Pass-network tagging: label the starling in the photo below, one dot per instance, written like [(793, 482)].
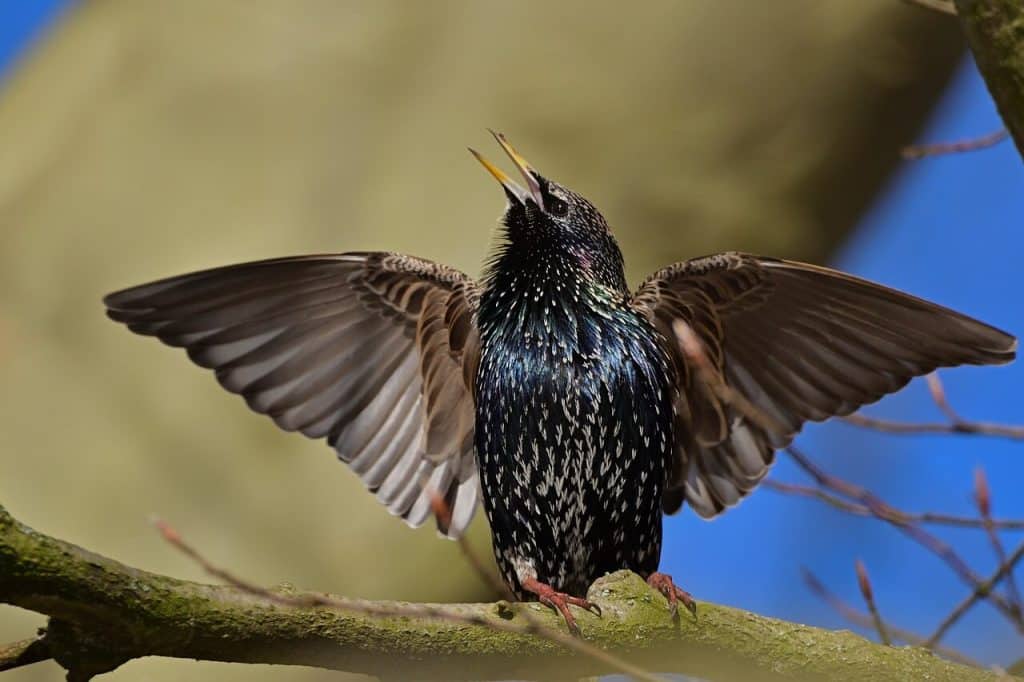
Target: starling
[(547, 390)]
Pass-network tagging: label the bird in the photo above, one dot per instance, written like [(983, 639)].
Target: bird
[(547, 391)]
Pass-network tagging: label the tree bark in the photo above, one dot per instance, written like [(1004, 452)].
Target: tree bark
[(103, 613), (995, 33)]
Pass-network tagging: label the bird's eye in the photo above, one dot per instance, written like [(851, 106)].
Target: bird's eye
[(556, 207)]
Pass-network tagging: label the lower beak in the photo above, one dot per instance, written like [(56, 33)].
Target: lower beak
[(512, 188)]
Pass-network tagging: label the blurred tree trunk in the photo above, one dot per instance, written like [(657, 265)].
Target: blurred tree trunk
[(995, 31)]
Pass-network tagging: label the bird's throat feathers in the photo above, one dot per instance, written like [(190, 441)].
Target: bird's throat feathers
[(549, 294)]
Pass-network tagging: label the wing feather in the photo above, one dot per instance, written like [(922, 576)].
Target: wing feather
[(802, 343), (377, 352)]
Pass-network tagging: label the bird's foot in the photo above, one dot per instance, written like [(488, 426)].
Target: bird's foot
[(560, 601), (663, 583)]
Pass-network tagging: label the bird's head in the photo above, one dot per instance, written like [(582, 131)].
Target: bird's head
[(544, 218)]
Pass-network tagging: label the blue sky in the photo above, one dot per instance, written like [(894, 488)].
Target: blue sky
[(21, 23), (949, 229)]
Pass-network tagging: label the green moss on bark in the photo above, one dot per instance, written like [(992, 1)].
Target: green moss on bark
[(104, 613), (995, 33)]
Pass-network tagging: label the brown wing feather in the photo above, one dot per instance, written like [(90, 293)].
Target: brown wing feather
[(801, 342), (374, 351)]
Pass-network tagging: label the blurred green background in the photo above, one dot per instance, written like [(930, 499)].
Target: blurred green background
[(142, 139)]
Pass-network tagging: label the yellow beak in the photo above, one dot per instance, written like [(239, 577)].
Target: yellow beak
[(532, 190)]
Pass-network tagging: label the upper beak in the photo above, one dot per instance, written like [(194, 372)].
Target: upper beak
[(532, 190), (512, 187)]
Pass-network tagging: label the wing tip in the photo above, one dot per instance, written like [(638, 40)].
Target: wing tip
[(1000, 349), (1011, 350)]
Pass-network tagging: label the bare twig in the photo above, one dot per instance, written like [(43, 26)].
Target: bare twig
[(869, 598), (956, 424), (920, 151), (444, 513), (25, 652), (983, 500), (896, 515), (943, 6), (983, 590), (930, 542), (428, 611), (914, 428), (938, 393), (693, 349), (864, 620)]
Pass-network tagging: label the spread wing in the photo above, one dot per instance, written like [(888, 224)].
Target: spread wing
[(800, 342), (377, 352)]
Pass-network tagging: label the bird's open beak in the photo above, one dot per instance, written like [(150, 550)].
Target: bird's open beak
[(532, 190), (512, 188)]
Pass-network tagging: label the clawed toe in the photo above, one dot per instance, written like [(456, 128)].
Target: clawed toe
[(560, 601), (584, 604), (663, 583)]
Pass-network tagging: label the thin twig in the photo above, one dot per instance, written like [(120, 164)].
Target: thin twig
[(428, 611), (869, 598), (983, 500), (938, 394), (914, 152), (693, 349), (444, 514), (955, 424), (930, 542), (983, 590), (897, 515), (943, 6), (25, 652), (915, 428), (863, 620)]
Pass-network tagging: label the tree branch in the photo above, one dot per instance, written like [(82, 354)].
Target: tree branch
[(25, 652), (103, 613), (995, 33)]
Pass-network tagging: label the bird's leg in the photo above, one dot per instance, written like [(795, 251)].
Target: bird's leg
[(559, 601), (663, 583)]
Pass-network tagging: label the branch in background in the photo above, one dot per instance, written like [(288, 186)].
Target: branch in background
[(444, 516), (983, 500), (914, 152), (693, 349), (894, 515), (995, 34), (914, 428), (943, 6), (927, 540), (980, 592), (869, 598), (25, 652), (863, 620), (955, 424)]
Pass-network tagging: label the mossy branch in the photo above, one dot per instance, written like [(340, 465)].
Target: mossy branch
[(103, 613), (995, 32)]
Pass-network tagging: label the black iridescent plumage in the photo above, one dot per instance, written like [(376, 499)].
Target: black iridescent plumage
[(574, 403), (550, 391)]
